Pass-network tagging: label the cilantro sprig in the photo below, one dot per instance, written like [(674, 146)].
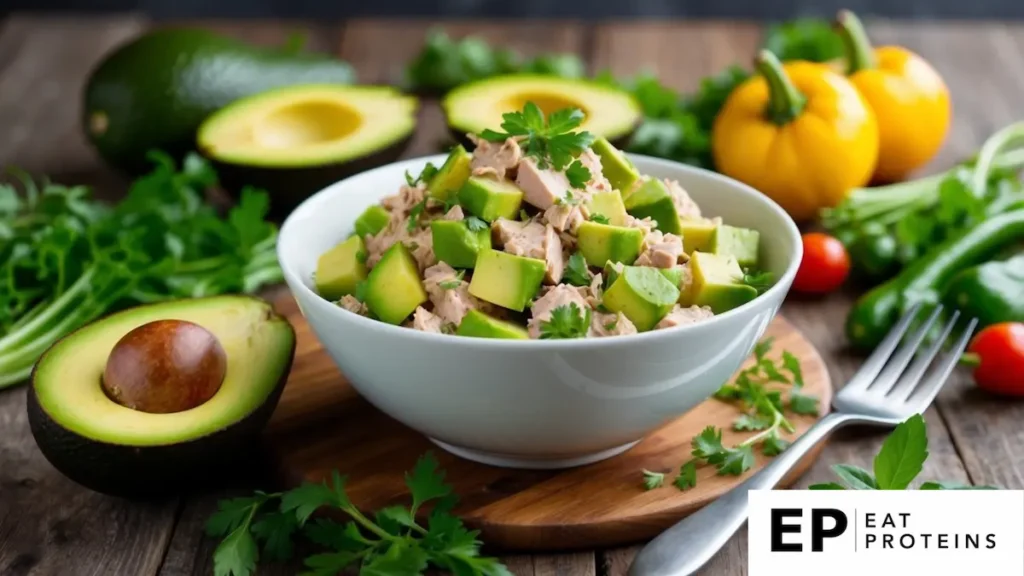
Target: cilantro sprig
[(567, 321), (552, 142), (454, 282), (576, 271), (896, 465), (393, 541)]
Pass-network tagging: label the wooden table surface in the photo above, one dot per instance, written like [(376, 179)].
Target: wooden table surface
[(50, 526)]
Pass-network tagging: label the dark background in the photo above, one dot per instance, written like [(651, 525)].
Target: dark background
[(746, 9)]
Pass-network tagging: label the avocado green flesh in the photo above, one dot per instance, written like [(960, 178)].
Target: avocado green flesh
[(153, 92), (505, 279), (602, 243), (456, 245), (620, 172), (652, 199), (490, 199), (643, 294), (740, 243), (452, 175), (479, 325), (393, 289), (696, 235), (259, 347), (341, 268), (717, 283), (609, 204), (372, 221)]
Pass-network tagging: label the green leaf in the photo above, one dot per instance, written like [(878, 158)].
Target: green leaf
[(737, 461), (231, 513), (329, 564), (426, 481), (576, 271), (902, 455), (708, 443), (305, 500), (237, 554), (275, 531), (855, 477), (578, 175), (398, 514), (402, 558), (687, 477), (747, 422), (567, 321), (773, 445), (762, 348), (476, 224), (760, 281), (826, 486), (599, 218), (454, 282), (941, 485), (803, 404), (565, 120), (331, 534), (809, 39), (653, 480), (771, 372), (792, 363)]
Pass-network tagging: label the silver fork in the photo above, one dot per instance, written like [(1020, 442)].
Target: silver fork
[(889, 388)]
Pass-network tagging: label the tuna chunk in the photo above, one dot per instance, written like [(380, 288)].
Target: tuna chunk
[(402, 203), (663, 251), (451, 302), (498, 160), (685, 205), (567, 217), (420, 243), (560, 295), (349, 302), (503, 230), (425, 321), (680, 316), (592, 294), (592, 161), (614, 324), (533, 240), (646, 225), (553, 256), (455, 213), (541, 188)]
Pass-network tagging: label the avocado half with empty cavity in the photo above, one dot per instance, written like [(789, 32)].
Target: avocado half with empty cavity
[(162, 398), (294, 141), (609, 111)]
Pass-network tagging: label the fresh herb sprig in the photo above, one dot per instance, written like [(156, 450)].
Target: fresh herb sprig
[(66, 259), (392, 541), (425, 176), (552, 142), (567, 321), (454, 282), (576, 271), (896, 465)]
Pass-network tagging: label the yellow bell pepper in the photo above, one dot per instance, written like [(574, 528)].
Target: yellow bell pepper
[(800, 133), (909, 98)]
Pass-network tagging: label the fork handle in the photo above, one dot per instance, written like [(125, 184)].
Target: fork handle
[(689, 544)]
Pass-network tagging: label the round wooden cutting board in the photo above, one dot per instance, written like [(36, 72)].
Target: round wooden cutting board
[(322, 424)]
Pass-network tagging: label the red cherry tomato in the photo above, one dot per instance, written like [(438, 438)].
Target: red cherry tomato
[(825, 265), (999, 353)]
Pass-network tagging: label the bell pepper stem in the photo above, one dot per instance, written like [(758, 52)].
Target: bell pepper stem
[(859, 53), (785, 102)]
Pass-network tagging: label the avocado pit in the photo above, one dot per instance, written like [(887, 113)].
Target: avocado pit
[(165, 366)]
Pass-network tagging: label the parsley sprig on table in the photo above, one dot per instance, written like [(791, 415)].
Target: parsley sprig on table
[(551, 142), (567, 321), (392, 541), (897, 464), (758, 390)]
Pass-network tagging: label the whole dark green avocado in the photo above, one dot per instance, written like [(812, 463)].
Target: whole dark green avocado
[(154, 91)]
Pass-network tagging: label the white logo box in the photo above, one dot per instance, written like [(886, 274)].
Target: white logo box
[(928, 532)]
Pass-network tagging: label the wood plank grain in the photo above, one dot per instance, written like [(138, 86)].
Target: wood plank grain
[(49, 525), (984, 68)]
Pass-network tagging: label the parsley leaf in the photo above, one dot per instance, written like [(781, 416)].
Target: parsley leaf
[(748, 422), (687, 477), (552, 143), (760, 281), (773, 445), (578, 174), (736, 461), (454, 282), (476, 224), (599, 218), (428, 173), (902, 455), (567, 321), (275, 531), (855, 477), (653, 480), (414, 215), (576, 271), (954, 486), (803, 404)]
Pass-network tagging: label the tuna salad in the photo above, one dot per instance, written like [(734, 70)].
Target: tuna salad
[(541, 232)]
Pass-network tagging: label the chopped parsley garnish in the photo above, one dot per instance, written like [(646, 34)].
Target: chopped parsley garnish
[(653, 480), (552, 143), (454, 282), (760, 281), (414, 215), (475, 224), (566, 322), (576, 271), (569, 199), (611, 325), (599, 218), (428, 173), (578, 174)]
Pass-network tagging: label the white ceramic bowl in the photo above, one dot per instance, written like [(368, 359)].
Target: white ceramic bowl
[(537, 403)]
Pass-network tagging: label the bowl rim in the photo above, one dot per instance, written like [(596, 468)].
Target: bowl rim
[(778, 289)]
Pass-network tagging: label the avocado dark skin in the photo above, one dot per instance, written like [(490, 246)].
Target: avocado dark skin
[(288, 187), (153, 92)]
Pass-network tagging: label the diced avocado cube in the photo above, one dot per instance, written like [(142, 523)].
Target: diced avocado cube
[(696, 235), (674, 275), (339, 269), (652, 199), (611, 272), (393, 288), (643, 294), (372, 221), (608, 204), (601, 243), (718, 282), (740, 243), (620, 172), (477, 324), (505, 279), (490, 199), (452, 175), (455, 244)]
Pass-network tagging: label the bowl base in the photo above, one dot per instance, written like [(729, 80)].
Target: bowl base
[(504, 460)]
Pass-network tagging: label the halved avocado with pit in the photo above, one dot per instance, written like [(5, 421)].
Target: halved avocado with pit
[(111, 411), (294, 141), (609, 112)]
